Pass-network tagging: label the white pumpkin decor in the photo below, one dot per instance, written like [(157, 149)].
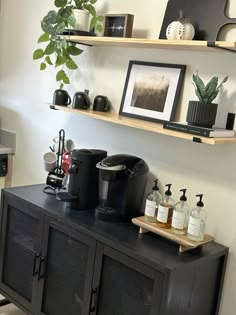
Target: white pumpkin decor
[(180, 30)]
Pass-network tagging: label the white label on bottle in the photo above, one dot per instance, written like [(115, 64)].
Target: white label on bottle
[(194, 226), (178, 220), (162, 215), (150, 208)]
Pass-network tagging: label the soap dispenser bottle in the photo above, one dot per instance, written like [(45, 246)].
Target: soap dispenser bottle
[(197, 222), (165, 210), (152, 203), (180, 215)]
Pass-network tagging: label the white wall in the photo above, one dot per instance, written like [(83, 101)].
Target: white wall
[(25, 92)]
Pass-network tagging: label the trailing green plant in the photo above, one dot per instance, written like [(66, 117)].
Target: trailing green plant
[(60, 51), (207, 93)]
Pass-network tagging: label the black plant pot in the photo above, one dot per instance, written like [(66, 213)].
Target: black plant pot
[(200, 114)]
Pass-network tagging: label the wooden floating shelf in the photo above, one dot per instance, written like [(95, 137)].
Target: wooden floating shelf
[(151, 43), (182, 240), (142, 124)]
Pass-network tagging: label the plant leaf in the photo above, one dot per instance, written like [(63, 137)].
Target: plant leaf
[(61, 86), (66, 12), (199, 84), (93, 22), (50, 48), (210, 88), (212, 82), (199, 96), (43, 66), (60, 75), (51, 17), (60, 61), (38, 53), (60, 3), (44, 38), (99, 28), (223, 81), (90, 9), (212, 97), (74, 51), (60, 28), (66, 80), (48, 60), (46, 27), (100, 18), (64, 43), (72, 20), (71, 64)]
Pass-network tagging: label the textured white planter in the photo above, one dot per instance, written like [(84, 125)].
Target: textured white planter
[(82, 20)]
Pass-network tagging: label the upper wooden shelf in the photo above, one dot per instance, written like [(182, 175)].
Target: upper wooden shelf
[(142, 124), (153, 43)]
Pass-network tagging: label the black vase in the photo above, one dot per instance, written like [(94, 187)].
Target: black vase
[(200, 114)]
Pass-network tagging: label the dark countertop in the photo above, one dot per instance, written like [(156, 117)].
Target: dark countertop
[(150, 249)]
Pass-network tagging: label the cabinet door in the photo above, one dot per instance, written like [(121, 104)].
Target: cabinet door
[(22, 227), (124, 286), (67, 271)]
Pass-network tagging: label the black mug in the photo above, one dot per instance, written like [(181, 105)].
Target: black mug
[(81, 101), (101, 103), (55, 180), (61, 97)]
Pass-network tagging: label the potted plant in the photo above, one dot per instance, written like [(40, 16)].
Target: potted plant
[(59, 51), (81, 10), (203, 112)]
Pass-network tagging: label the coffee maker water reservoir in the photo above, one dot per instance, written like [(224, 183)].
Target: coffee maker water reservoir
[(122, 183)]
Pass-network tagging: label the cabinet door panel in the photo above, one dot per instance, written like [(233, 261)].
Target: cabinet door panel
[(125, 286), (20, 241), (68, 271)]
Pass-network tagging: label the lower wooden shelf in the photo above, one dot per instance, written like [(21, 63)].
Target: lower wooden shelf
[(182, 240), (142, 124)]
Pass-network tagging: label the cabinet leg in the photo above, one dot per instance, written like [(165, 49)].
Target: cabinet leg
[(4, 302)]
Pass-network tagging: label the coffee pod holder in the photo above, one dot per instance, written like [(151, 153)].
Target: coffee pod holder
[(185, 244), (56, 179)]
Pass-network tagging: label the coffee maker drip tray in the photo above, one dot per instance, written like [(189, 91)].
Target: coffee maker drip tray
[(108, 214), (65, 196)]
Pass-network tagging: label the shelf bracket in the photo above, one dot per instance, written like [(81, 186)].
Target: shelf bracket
[(4, 302), (53, 107), (213, 45)]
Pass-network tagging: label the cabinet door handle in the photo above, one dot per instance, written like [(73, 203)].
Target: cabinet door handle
[(35, 269), (94, 300), (41, 272)]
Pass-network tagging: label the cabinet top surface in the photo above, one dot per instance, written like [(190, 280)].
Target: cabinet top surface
[(150, 249)]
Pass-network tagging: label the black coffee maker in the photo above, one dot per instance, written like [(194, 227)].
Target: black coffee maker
[(84, 178), (122, 183)]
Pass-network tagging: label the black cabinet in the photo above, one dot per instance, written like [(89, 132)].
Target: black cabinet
[(21, 239), (56, 261), (125, 286), (66, 270)]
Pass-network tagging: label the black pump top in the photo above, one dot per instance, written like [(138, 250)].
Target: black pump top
[(155, 187), (168, 192), (200, 203), (183, 197)]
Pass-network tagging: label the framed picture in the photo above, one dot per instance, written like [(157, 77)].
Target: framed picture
[(152, 91), (118, 25)]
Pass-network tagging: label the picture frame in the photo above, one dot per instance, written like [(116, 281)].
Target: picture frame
[(151, 91), (118, 25)]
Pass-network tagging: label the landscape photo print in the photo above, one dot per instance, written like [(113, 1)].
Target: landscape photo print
[(152, 90)]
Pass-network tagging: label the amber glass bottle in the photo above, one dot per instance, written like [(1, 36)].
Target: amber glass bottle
[(165, 210)]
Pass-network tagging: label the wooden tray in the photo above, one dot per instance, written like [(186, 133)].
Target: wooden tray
[(182, 240)]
